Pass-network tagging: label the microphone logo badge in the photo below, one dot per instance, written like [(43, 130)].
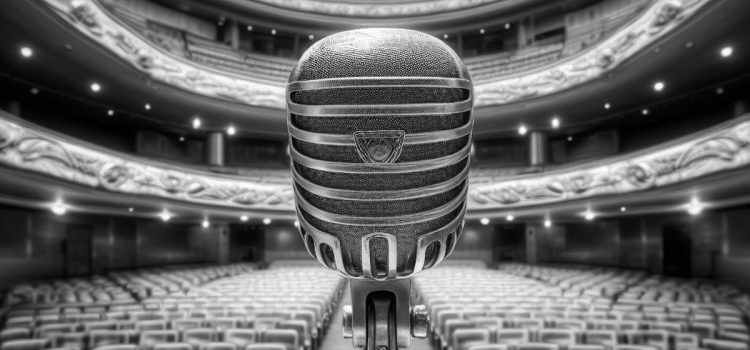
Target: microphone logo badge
[(379, 146)]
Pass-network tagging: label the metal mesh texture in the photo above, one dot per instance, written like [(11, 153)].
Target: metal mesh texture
[(409, 153), (410, 124), (379, 96)]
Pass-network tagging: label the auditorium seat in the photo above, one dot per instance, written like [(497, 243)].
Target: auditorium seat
[(286, 337), (464, 338), (25, 344), (220, 346), (266, 346), (150, 338), (240, 337), (14, 333), (719, 344)]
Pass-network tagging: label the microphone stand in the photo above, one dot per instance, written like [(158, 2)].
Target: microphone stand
[(381, 316)]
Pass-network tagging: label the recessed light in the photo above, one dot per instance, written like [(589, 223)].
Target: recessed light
[(695, 207), (165, 215), (26, 52), (522, 130), (111, 112), (34, 91), (249, 28), (147, 106), (244, 218), (719, 90), (659, 86), (267, 221), (445, 36), (231, 130), (507, 25), (623, 209), (484, 221), (296, 223), (570, 138), (547, 223), (689, 44), (182, 138), (196, 123), (59, 208), (510, 217), (130, 210), (589, 215), (481, 31), (205, 223), (273, 31), (95, 87), (311, 37), (645, 111), (555, 122), (607, 105), (726, 51)]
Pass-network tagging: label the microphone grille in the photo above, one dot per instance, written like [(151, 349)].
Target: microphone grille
[(380, 132)]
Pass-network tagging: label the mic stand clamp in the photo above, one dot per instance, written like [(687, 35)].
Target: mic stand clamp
[(381, 316)]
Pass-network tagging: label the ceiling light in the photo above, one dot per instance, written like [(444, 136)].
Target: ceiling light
[(445, 36), (547, 223), (95, 87), (130, 210), (522, 130), (589, 215), (555, 122), (719, 90), (695, 207), (196, 123), (165, 215), (267, 221), (623, 209), (231, 130), (689, 44), (570, 138), (607, 105), (249, 28), (27, 52), (726, 51), (182, 138), (34, 91), (205, 223), (484, 221), (59, 208), (244, 218), (658, 86), (311, 37), (507, 25), (481, 31), (296, 223), (510, 217), (111, 112), (147, 106), (273, 31), (645, 111)]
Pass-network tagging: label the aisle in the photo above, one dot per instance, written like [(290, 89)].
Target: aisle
[(333, 340)]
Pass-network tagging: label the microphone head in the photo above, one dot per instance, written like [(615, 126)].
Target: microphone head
[(380, 134)]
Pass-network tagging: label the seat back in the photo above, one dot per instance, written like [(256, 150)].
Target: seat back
[(152, 337), (512, 336), (537, 346), (464, 338), (557, 336), (25, 344), (600, 337), (198, 337), (240, 337), (720, 344), (99, 338), (287, 337)]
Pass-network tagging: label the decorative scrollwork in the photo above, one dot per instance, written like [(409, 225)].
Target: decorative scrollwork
[(375, 9)]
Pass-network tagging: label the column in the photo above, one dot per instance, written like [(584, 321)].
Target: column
[(233, 34), (216, 143), (537, 148)]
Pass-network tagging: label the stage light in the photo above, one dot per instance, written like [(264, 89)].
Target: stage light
[(484, 221), (555, 122), (231, 130), (726, 51), (244, 218), (267, 221), (165, 215), (522, 130), (659, 86), (26, 52), (59, 208), (95, 87), (547, 223), (205, 223), (510, 218)]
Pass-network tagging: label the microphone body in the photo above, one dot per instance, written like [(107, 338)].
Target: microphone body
[(380, 135)]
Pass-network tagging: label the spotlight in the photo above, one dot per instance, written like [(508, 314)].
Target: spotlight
[(95, 87), (484, 221), (555, 122), (59, 208), (658, 86), (244, 218), (196, 123), (589, 215), (547, 223), (165, 215), (267, 221), (205, 223), (726, 51), (510, 218), (231, 130), (27, 52), (522, 130)]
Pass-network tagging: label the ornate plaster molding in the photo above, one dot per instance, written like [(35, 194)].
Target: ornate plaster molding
[(88, 17), (723, 148), (42, 152), (661, 18), (375, 9)]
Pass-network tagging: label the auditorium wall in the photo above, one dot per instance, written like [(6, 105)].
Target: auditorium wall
[(33, 244)]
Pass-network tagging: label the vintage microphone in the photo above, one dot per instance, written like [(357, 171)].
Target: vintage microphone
[(380, 134)]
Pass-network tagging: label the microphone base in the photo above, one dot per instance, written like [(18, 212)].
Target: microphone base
[(381, 316)]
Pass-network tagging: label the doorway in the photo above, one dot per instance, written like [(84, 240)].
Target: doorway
[(78, 249), (676, 250)]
